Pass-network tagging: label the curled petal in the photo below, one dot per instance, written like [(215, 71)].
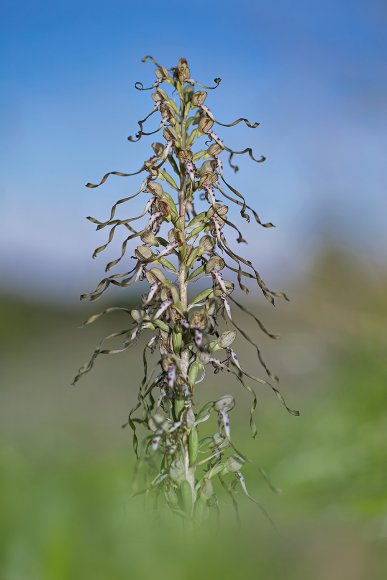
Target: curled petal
[(114, 173), (149, 57), (217, 82), (247, 150), (240, 120), (113, 209)]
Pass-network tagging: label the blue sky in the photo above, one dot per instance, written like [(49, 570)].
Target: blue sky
[(313, 73)]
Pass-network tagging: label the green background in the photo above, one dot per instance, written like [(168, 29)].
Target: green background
[(67, 466)]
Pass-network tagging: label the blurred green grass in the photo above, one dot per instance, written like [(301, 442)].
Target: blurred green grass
[(66, 464)]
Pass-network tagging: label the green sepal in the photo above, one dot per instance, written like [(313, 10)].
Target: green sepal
[(167, 264), (192, 257), (174, 107), (196, 272), (196, 231), (214, 346), (161, 241), (177, 305), (199, 155), (193, 445), (215, 470), (178, 406), (186, 109), (177, 340), (192, 138), (194, 370), (204, 411), (196, 219), (162, 325), (183, 251), (205, 442), (157, 274), (189, 122), (202, 296), (174, 295), (169, 179), (174, 165)]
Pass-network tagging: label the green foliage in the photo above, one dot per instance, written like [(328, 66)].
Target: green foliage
[(64, 502), (182, 241)]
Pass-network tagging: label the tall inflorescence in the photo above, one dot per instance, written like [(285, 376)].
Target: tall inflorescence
[(179, 244)]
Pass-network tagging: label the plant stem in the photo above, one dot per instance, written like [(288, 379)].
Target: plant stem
[(182, 276)]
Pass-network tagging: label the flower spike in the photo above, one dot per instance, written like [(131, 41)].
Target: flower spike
[(182, 236)]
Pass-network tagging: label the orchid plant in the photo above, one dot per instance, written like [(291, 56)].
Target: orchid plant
[(182, 240)]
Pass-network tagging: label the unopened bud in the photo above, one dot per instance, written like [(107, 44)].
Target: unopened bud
[(198, 98), (225, 403), (205, 124)]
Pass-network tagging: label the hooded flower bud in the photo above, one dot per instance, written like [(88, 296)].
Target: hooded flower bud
[(205, 124), (215, 149), (199, 319), (163, 307), (234, 463), (229, 286), (170, 134), (152, 291), (208, 166), (183, 72), (175, 237), (143, 253), (225, 403), (208, 179), (157, 98), (157, 422), (218, 439), (206, 245), (184, 155), (198, 98), (214, 263), (198, 338), (137, 315), (149, 238), (155, 275), (227, 338), (217, 211), (162, 94), (155, 188), (154, 173), (161, 73), (167, 111), (158, 148)]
